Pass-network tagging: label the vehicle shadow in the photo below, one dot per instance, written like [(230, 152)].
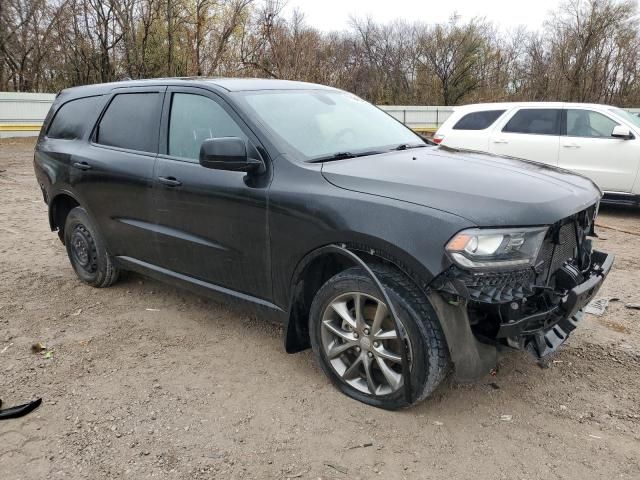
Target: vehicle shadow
[(620, 211)]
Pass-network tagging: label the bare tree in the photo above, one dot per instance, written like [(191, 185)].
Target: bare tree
[(588, 50)]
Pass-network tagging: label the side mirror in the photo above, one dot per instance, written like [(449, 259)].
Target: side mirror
[(227, 153), (620, 131)]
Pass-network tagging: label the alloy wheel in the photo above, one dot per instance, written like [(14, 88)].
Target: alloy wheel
[(360, 342)]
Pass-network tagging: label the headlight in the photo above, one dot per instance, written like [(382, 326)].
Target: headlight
[(496, 248)]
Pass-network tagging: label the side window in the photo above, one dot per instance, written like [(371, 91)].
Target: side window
[(195, 118), (587, 123), (73, 118), (131, 121), (537, 121), (478, 120)]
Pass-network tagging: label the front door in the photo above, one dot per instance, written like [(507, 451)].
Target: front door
[(588, 148), (211, 224)]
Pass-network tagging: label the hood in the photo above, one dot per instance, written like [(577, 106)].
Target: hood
[(488, 190)]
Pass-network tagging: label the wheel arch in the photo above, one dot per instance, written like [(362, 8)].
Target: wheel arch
[(321, 264), (59, 207)]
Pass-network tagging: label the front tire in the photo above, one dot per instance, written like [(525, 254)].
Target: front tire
[(87, 253), (354, 339)]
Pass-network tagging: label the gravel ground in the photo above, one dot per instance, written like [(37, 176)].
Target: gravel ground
[(146, 381)]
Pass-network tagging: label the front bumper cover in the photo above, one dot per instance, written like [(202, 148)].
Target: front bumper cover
[(550, 328), (541, 333)]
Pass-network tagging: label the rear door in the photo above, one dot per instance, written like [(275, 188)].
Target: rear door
[(530, 133), (212, 224), (113, 172), (588, 148)]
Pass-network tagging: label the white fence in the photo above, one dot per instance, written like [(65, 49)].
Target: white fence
[(421, 119), (22, 114)]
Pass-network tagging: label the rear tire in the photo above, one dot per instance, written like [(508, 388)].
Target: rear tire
[(340, 340), (86, 250)]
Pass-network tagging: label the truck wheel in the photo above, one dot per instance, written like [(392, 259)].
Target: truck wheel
[(86, 250), (355, 342)]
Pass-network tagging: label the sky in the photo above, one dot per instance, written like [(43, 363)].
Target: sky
[(328, 15)]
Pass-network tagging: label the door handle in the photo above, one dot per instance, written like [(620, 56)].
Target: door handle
[(82, 165), (501, 141), (170, 181), (571, 145)]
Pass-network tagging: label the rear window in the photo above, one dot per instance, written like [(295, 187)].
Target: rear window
[(72, 119), (537, 121), (478, 120), (131, 121)]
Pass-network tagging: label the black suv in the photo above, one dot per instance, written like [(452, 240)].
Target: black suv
[(395, 260)]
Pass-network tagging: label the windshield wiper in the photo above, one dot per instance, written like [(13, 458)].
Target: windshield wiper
[(406, 146), (343, 156)]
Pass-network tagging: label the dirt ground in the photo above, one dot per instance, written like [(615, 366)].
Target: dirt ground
[(146, 381)]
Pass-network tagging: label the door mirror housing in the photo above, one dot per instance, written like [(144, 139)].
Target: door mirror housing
[(228, 153), (620, 131)]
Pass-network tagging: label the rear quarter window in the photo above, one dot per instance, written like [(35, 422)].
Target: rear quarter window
[(478, 120), (74, 118)]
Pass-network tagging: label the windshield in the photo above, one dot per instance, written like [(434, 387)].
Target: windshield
[(325, 123), (632, 118)]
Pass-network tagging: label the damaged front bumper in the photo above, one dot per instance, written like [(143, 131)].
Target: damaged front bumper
[(481, 312), (546, 330)]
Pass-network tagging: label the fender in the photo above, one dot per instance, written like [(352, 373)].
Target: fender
[(295, 336), (402, 260), (471, 358), (52, 200), (64, 191)]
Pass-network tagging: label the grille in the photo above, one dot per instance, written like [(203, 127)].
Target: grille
[(487, 287), (499, 287), (553, 258)]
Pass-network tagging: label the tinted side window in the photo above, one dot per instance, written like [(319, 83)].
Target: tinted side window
[(478, 120), (540, 121), (73, 118), (587, 123), (131, 121), (195, 118)]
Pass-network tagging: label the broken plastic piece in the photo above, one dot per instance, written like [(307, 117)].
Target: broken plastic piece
[(20, 410), (597, 306)]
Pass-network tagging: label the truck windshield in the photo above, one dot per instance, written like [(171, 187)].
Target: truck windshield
[(322, 124)]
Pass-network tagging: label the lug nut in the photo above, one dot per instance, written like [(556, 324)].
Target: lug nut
[(358, 349), (355, 335), (376, 344), (366, 331), (370, 355)]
